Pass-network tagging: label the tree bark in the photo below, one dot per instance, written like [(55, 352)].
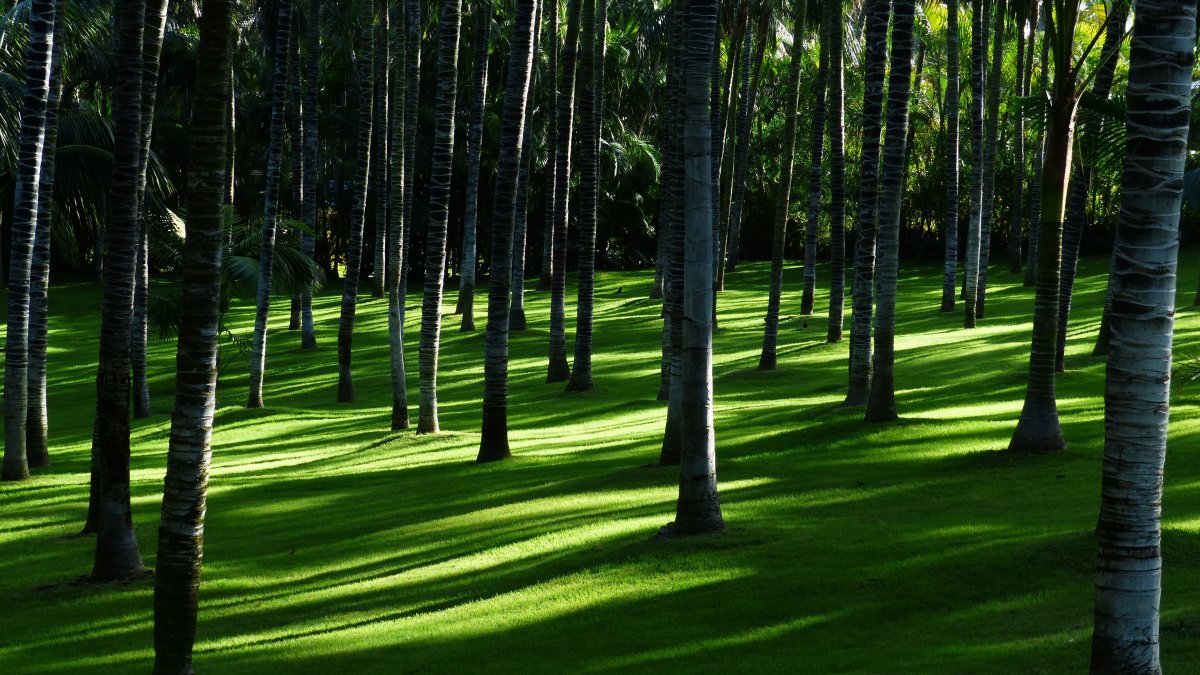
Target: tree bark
[(466, 288)]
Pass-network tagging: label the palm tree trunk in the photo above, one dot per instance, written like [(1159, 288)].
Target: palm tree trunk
[(950, 226), (881, 405), (1081, 176), (551, 46), (38, 66), (358, 206), (817, 147), (1138, 385), (878, 12), (295, 132), (397, 225), (312, 60), (181, 532), (992, 129), (671, 215), (768, 360), (493, 443), (732, 242), (439, 212), (412, 82), (258, 349), (1016, 210), (837, 174), (379, 151), (516, 312), (116, 544), (698, 509), (156, 24), (37, 416), (557, 369), (591, 93), (1035, 192), (466, 289), (975, 217)]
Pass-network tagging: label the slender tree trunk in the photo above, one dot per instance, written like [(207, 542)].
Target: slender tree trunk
[(23, 229), (466, 289), (1081, 177), (1138, 385), (817, 147), (493, 444), (358, 206), (156, 24), (116, 544), (837, 174), (295, 132), (768, 359), (439, 212), (698, 510), (557, 369), (974, 224), (878, 12), (37, 417), (591, 93), (881, 405), (258, 350), (231, 136), (398, 198), (672, 215), (181, 532), (733, 237), (1035, 196), (379, 151), (992, 129), (1017, 217), (950, 225), (312, 60), (413, 24), (516, 312), (551, 46)]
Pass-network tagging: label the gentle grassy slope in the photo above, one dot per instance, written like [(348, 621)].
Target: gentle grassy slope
[(334, 545)]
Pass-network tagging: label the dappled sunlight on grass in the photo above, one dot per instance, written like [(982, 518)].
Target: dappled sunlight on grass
[(336, 545)]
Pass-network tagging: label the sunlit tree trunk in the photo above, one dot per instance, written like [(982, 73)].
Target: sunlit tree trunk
[(493, 443), (973, 256), (258, 349), (189, 452), (380, 159), (439, 211), (837, 173), (992, 129), (398, 198), (116, 544), (550, 9), (358, 206), (156, 24), (881, 404), (950, 225), (767, 359), (1081, 176), (878, 12), (1138, 385), (672, 216), (816, 149), (23, 229), (466, 289), (558, 370)]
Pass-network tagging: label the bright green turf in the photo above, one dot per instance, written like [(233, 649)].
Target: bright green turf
[(334, 545)]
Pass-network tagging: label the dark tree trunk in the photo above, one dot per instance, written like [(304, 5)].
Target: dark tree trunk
[(466, 289), (816, 149)]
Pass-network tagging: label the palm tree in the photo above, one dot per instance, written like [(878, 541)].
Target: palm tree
[(396, 230), (439, 212), (881, 405), (878, 13), (516, 312), (950, 226), (767, 360), (466, 287), (837, 172), (380, 159), (493, 444), (116, 544), (1038, 429), (551, 45), (698, 510), (591, 95), (557, 369), (971, 265), (412, 83), (38, 65), (1017, 212), (1081, 176), (1138, 383), (1035, 188), (671, 234), (992, 130), (37, 415), (181, 532), (741, 161), (358, 207), (295, 133), (312, 60), (817, 146), (258, 350)]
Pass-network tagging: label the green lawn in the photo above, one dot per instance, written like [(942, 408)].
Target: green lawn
[(335, 546)]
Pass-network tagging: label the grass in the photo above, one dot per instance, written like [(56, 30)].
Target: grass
[(334, 545)]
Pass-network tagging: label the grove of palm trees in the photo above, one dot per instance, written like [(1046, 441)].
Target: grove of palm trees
[(813, 336)]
